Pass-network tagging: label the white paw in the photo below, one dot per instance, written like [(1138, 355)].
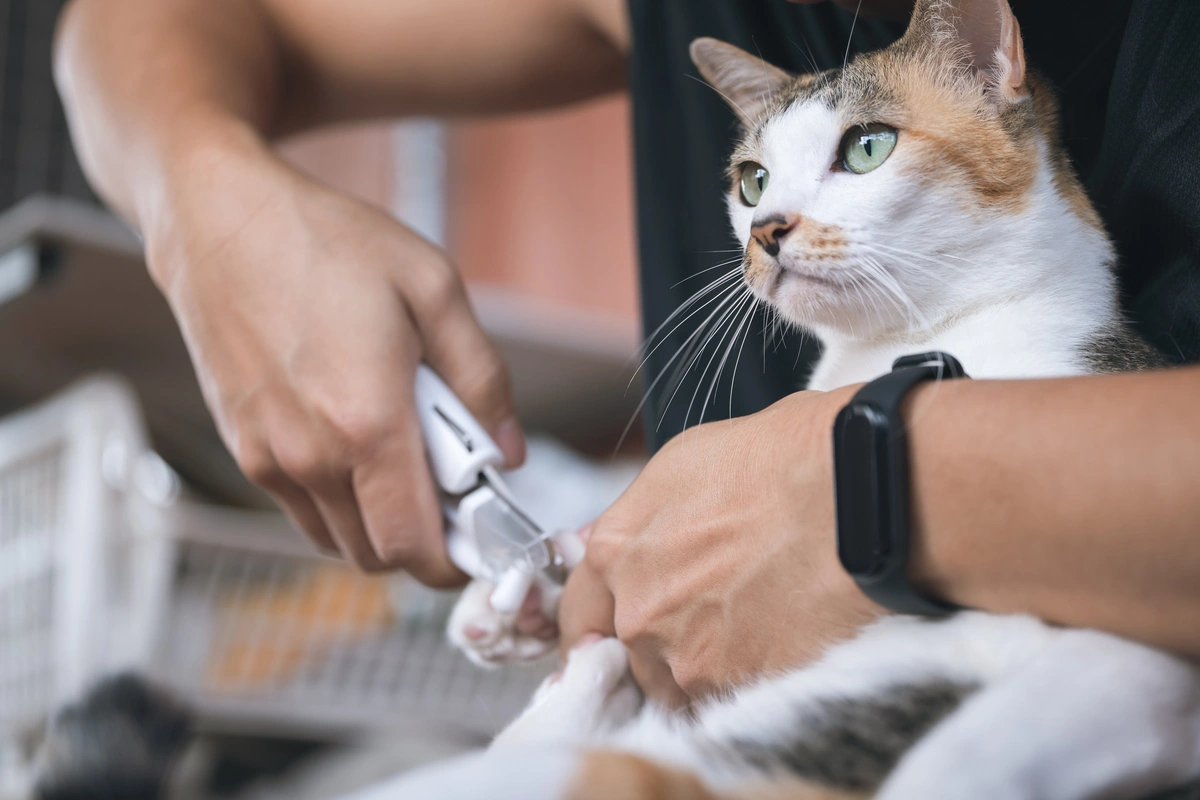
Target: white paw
[(593, 695), (490, 638), (600, 670)]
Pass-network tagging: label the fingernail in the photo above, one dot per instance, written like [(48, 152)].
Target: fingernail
[(511, 441), (587, 639)]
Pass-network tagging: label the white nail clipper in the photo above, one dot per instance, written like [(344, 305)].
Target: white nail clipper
[(488, 534)]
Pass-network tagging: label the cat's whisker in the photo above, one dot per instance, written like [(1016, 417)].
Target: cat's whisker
[(726, 97), (730, 294), (885, 248), (748, 298), (698, 353), (710, 287), (850, 38), (735, 260), (715, 288), (807, 53), (742, 327), (888, 283), (737, 361)]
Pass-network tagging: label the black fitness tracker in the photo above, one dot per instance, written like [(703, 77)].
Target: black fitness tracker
[(870, 473)]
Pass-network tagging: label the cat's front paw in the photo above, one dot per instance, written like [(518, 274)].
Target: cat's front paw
[(593, 695), (490, 638)]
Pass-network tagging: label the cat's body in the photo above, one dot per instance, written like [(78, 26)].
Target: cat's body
[(916, 200)]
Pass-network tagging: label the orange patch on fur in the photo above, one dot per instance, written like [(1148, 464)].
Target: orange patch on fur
[(609, 775), (997, 158)]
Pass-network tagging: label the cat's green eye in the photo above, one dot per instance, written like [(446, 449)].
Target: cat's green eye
[(754, 182), (866, 147)]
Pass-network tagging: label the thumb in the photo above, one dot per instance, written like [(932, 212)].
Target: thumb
[(586, 607)]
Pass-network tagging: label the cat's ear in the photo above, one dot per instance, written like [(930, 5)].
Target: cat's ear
[(984, 35), (747, 83)]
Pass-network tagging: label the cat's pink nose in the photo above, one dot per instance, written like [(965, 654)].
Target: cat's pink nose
[(769, 232)]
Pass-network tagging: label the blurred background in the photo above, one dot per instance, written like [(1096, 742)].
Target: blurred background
[(128, 540)]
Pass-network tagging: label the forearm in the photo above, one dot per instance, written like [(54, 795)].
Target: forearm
[(1074, 500), (142, 80), (145, 81)]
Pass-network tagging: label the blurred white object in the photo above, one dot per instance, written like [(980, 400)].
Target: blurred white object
[(107, 564)]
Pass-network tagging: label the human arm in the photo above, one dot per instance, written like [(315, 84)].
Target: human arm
[(1075, 500), (305, 311)]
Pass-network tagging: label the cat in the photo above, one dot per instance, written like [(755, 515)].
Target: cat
[(916, 199)]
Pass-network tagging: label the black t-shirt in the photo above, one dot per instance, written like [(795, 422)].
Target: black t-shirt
[(1130, 92)]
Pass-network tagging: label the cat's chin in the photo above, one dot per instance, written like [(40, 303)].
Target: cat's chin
[(801, 297)]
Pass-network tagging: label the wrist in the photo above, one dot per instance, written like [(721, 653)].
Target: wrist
[(804, 421), (202, 157)]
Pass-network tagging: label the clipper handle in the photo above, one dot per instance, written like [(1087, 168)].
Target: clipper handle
[(459, 448)]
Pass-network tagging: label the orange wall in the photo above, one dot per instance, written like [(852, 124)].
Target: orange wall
[(543, 204), (355, 159)]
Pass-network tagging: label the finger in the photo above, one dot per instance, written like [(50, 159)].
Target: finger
[(400, 508), (303, 457), (457, 348), (586, 607), (260, 465), (303, 513), (339, 508), (653, 675)]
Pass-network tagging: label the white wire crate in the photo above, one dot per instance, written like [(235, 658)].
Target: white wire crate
[(105, 566)]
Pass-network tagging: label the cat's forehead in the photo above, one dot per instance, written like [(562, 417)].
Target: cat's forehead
[(867, 90)]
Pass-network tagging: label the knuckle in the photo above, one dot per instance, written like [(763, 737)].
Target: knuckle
[(304, 462), (631, 624), (603, 546), (357, 427), (439, 290), (256, 463)]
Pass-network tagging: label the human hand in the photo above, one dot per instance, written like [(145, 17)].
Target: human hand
[(306, 314), (720, 562)]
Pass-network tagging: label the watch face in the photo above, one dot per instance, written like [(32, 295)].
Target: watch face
[(860, 479)]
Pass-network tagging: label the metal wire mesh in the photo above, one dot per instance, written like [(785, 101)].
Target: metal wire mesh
[(274, 640), (29, 503)]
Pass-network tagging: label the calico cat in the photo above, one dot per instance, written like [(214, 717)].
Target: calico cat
[(916, 199)]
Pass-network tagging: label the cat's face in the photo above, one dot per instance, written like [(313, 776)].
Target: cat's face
[(863, 194)]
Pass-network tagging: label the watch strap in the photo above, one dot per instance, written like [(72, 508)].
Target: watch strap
[(884, 397)]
